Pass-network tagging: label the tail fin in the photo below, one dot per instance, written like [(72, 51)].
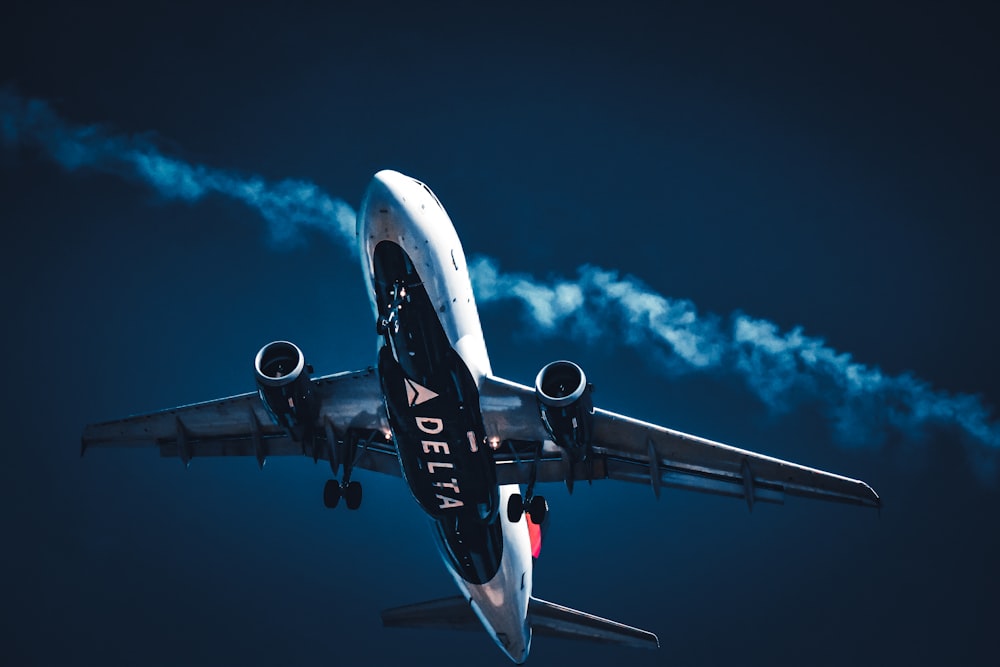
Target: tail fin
[(546, 619)]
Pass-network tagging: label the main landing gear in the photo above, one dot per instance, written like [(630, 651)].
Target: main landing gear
[(333, 490), (350, 491), (534, 506)]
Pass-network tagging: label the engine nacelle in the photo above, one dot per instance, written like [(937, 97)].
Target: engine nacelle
[(566, 406), (286, 389)]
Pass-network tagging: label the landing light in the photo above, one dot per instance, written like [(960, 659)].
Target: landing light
[(494, 443), (388, 435)]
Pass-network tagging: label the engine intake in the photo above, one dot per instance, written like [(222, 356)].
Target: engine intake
[(286, 389), (566, 406)]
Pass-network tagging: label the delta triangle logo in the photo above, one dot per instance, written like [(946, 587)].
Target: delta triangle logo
[(417, 393)]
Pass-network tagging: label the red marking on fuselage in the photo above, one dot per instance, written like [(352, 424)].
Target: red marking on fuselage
[(535, 534)]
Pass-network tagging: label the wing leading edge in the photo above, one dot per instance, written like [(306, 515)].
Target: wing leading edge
[(351, 413), (631, 450)]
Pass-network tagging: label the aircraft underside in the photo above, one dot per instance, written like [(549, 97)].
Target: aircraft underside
[(432, 403), (464, 440)]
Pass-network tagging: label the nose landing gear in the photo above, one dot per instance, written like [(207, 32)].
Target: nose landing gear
[(390, 321)]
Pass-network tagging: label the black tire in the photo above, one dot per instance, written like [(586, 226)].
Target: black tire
[(515, 508), (331, 494), (352, 495), (538, 509)]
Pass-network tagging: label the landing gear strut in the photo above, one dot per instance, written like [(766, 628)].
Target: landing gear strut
[(350, 491), (391, 318), (534, 506)]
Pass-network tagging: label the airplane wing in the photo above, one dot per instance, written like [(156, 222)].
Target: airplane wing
[(352, 412), (630, 450)]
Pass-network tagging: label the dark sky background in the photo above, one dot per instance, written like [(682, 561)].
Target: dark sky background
[(825, 165)]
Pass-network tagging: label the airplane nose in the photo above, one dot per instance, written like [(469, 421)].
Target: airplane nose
[(388, 176), (378, 198), (380, 190), (387, 184), (382, 196)]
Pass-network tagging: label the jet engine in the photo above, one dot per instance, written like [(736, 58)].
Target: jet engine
[(566, 406), (286, 389)]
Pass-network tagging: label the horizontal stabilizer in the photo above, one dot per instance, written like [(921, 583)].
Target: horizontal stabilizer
[(453, 613), (546, 619), (553, 620)]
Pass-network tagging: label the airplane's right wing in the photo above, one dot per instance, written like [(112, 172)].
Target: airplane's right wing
[(631, 450), (636, 451)]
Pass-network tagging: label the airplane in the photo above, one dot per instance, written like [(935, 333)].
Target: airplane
[(464, 440)]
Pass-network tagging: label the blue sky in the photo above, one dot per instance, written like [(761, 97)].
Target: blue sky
[(829, 167)]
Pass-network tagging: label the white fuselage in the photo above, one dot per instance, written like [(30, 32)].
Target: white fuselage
[(400, 209)]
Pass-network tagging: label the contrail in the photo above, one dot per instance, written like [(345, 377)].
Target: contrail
[(288, 206), (783, 369)]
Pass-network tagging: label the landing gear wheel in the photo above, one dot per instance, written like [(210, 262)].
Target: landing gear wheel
[(538, 509), (352, 495), (331, 494), (515, 508)]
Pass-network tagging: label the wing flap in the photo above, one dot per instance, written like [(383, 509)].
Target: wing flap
[(278, 446), (628, 470), (222, 419)]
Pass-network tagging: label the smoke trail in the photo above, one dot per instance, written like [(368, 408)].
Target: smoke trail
[(784, 369), (288, 206)]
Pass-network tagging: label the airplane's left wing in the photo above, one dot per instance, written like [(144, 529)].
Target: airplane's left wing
[(351, 422), (630, 450)]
